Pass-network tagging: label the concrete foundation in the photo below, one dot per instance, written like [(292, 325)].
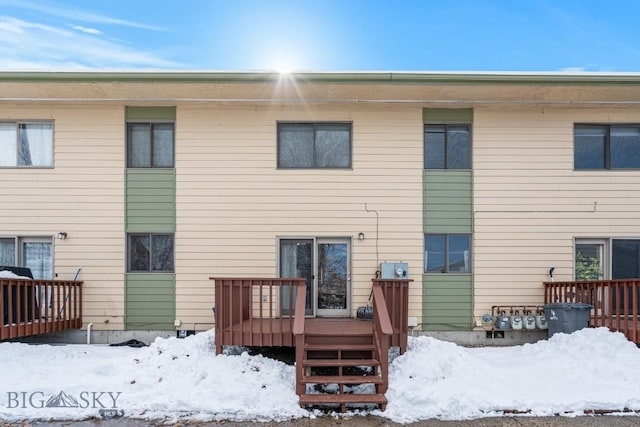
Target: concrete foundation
[(485, 338), (475, 338)]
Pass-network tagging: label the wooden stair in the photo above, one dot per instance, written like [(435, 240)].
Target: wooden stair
[(340, 358)]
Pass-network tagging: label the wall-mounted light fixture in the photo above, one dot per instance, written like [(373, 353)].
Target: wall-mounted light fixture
[(61, 235), (361, 236)]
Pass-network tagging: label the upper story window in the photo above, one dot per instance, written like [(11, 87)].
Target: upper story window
[(314, 145), (150, 145), (27, 144), (447, 146), (607, 147), (151, 252)]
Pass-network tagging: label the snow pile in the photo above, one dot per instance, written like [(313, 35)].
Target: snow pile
[(6, 274), (568, 374), (170, 379), (177, 379)]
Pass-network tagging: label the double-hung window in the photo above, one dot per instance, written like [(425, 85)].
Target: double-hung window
[(314, 145), (28, 144), (150, 145), (598, 147), (447, 253), (447, 146), (151, 252)]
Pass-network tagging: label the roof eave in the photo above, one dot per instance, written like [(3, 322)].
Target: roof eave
[(418, 78)]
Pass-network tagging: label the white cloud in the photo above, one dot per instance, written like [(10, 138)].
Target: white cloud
[(62, 11), (87, 30), (32, 45)]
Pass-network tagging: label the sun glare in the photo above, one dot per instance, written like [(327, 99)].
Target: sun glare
[(284, 66), (283, 63), (284, 69)]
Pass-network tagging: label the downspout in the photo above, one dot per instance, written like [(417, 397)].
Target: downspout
[(89, 326)]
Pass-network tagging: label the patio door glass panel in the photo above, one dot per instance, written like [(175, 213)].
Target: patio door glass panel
[(625, 264), (590, 264), (589, 261), (333, 277), (296, 260), (38, 256)]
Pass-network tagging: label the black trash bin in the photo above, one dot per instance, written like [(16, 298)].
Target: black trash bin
[(18, 298), (567, 317)]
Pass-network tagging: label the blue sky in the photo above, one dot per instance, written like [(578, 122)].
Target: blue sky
[(332, 35)]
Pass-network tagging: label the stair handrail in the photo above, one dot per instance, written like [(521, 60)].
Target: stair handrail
[(298, 333), (382, 332), (380, 312), (299, 313)]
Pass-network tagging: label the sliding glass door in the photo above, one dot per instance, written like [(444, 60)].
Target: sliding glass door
[(325, 266)]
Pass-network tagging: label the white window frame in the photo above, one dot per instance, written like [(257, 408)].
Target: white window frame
[(606, 254), (18, 247), (17, 129)]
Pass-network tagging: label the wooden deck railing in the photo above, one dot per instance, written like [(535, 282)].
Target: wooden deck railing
[(396, 297), (31, 307), (256, 311), (615, 302), (271, 311)]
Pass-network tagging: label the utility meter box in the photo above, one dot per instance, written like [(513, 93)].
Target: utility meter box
[(394, 270)]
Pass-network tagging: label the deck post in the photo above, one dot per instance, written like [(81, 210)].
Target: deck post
[(396, 298)]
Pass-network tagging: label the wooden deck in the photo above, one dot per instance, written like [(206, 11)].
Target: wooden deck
[(32, 307), (615, 303), (331, 326), (271, 312)]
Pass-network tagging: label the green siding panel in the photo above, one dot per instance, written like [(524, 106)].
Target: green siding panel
[(150, 113), (447, 115), (447, 303), (448, 201), (151, 200), (150, 301)]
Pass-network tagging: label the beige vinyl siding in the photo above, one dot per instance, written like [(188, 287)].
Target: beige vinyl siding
[(83, 195), (233, 204), (530, 204)]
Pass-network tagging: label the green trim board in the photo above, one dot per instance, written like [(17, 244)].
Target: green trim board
[(150, 301), (150, 113), (447, 115), (447, 302), (448, 201), (151, 200)]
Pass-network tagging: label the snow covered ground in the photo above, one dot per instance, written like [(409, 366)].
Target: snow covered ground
[(182, 379)]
